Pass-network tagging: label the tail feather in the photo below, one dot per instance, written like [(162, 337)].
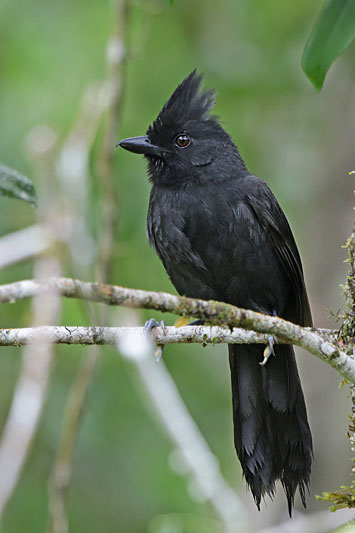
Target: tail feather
[(271, 432)]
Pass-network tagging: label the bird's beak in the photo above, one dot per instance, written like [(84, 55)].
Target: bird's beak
[(141, 145)]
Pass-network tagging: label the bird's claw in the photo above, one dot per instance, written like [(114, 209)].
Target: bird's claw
[(152, 323), (268, 350), (148, 326)]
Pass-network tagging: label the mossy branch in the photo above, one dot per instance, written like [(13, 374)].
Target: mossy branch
[(317, 341)]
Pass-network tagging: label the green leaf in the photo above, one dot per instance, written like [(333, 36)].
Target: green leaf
[(14, 185), (171, 2), (331, 35)]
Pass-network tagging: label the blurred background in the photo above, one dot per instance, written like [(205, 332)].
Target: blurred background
[(59, 63)]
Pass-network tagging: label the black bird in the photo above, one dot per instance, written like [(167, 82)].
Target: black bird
[(222, 235)]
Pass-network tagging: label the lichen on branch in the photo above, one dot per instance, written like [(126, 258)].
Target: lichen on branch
[(318, 342)]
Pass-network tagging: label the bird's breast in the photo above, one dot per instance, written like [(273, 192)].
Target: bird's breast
[(212, 237)]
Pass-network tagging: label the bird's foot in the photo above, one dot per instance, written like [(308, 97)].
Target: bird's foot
[(148, 326), (268, 350), (152, 323)]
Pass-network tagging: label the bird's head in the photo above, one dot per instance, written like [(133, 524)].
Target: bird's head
[(185, 140)]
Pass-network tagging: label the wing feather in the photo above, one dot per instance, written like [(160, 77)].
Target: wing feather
[(272, 219)]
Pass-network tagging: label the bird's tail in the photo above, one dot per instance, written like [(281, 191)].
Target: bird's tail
[(271, 432)]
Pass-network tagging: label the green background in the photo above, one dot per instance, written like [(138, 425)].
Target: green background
[(300, 141)]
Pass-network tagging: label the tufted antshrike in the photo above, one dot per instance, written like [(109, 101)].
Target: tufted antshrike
[(222, 235)]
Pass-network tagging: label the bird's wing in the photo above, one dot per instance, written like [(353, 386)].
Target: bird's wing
[(272, 219)]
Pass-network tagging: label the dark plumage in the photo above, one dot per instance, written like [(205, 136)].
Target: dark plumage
[(222, 235)]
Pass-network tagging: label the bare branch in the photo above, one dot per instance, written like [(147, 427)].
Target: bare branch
[(315, 341), (111, 335)]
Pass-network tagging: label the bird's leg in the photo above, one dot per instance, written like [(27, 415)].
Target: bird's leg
[(268, 350), (148, 326), (269, 346)]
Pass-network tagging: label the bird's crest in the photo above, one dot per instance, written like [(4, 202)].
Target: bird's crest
[(188, 102)]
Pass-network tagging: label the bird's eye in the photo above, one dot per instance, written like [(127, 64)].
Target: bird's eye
[(182, 140)]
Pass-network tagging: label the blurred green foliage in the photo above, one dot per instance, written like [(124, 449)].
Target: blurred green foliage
[(333, 31), (14, 185), (297, 140)]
